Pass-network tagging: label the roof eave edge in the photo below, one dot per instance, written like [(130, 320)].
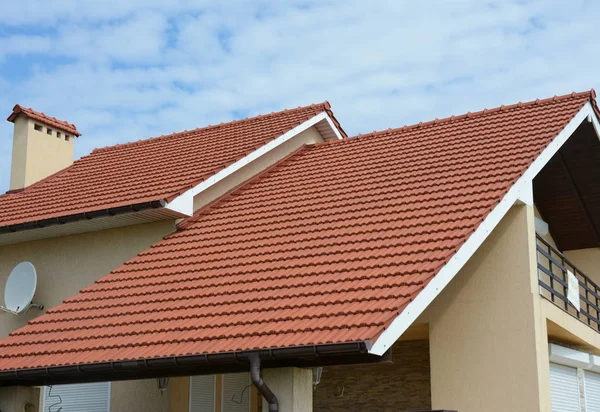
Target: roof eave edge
[(98, 371), (184, 203), (520, 192)]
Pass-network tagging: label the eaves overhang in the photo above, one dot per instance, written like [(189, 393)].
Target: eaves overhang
[(201, 364), (88, 221)]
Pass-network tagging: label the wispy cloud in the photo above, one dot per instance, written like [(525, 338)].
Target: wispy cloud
[(128, 69)]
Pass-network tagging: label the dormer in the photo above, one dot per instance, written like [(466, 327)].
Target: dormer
[(42, 145)]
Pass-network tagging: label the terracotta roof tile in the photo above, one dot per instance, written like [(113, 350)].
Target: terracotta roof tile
[(39, 116), (147, 170), (328, 246)]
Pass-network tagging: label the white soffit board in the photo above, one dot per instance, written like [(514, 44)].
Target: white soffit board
[(521, 192), (184, 203)]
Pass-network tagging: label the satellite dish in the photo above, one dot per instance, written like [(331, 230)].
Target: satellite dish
[(20, 288)]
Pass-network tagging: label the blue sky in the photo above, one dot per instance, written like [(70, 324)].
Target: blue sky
[(123, 70)]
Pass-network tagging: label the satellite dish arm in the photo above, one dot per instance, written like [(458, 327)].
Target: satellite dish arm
[(31, 305)]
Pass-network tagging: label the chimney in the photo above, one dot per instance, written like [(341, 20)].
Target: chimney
[(42, 145)]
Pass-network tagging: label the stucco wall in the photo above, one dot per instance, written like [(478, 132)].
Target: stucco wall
[(487, 332), (19, 399), (141, 395), (401, 385)]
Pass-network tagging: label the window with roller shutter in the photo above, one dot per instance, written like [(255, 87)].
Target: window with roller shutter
[(232, 394), (564, 388), (89, 397)]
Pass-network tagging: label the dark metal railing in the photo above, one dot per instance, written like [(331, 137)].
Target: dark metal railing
[(553, 270)]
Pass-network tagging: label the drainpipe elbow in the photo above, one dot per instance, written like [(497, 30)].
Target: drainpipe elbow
[(260, 384)]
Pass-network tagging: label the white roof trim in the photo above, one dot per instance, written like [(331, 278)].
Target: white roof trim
[(333, 126), (184, 203), (521, 191)]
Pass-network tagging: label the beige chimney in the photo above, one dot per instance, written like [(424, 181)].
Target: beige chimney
[(42, 145)]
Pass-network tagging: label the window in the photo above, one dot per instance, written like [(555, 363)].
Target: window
[(49, 131), (38, 127), (202, 393), (564, 388), (592, 390), (236, 392), (58, 134), (67, 137), (89, 397), (230, 391)]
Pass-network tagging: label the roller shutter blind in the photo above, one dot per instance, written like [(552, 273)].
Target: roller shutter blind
[(236, 392), (202, 393), (592, 391), (564, 387), (89, 397)]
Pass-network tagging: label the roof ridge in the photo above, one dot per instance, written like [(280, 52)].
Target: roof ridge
[(469, 115), (324, 105)]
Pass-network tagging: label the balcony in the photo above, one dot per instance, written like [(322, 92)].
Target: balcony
[(554, 271)]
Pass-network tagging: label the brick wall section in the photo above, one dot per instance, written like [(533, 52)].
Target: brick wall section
[(400, 386)]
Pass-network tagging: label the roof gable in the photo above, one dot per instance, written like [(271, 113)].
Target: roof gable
[(335, 244), (567, 191)]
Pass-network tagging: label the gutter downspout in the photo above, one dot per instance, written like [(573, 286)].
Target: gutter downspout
[(260, 384)]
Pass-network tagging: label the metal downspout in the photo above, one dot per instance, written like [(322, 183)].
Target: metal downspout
[(260, 384)]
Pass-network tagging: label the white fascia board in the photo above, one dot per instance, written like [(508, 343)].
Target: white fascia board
[(522, 192), (570, 357), (184, 203)]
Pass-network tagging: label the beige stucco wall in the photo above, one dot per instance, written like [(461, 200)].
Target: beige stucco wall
[(488, 338), (309, 136), (37, 154), (19, 399), (141, 395)]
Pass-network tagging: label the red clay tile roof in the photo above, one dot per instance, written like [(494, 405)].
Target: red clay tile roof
[(41, 117), (328, 246), (148, 170)]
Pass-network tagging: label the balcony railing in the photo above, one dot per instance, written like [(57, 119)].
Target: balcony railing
[(553, 269)]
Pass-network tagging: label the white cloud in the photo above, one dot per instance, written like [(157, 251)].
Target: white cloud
[(139, 68)]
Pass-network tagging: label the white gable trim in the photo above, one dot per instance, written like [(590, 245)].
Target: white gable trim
[(184, 203), (521, 191)]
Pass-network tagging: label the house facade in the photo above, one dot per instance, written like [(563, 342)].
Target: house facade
[(274, 263)]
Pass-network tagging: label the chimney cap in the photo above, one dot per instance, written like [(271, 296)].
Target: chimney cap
[(43, 118)]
